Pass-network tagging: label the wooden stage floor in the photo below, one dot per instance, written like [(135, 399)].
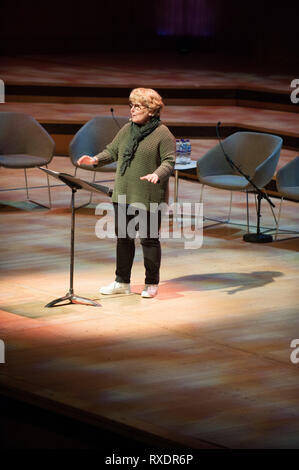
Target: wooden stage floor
[(204, 365)]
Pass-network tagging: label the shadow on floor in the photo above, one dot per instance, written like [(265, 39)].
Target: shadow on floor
[(232, 281)]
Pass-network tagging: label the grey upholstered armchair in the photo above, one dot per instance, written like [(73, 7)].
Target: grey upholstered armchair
[(24, 143), (92, 138), (257, 154), (287, 181)]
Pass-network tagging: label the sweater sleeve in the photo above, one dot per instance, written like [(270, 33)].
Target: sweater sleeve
[(167, 155), (110, 153)]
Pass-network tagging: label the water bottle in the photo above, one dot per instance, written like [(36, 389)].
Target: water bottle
[(183, 152), (188, 153), (178, 151)]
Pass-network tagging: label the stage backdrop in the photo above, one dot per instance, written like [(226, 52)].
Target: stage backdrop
[(254, 28)]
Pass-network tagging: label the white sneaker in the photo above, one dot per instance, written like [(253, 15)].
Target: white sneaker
[(149, 291), (116, 288)]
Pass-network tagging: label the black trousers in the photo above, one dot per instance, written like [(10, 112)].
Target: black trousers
[(125, 230)]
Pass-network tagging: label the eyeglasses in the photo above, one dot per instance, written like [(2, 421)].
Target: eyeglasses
[(138, 107)]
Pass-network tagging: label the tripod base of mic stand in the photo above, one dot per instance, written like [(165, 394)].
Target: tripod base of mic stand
[(73, 299), (257, 238)]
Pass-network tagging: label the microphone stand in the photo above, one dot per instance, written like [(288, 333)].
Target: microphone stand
[(257, 237), (114, 118)]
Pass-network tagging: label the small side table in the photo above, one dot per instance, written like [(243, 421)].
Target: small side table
[(179, 167)]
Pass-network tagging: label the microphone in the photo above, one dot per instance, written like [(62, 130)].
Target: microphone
[(220, 142), (115, 120), (250, 237), (118, 125), (231, 163)]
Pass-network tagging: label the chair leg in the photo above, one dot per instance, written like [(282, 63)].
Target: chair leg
[(93, 180), (274, 217), (278, 218), (201, 193), (247, 211), (201, 196), (217, 220), (255, 200), (230, 206), (49, 191), (35, 202), (286, 231), (26, 183)]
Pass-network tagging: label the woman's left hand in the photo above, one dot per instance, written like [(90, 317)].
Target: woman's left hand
[(151, 177)]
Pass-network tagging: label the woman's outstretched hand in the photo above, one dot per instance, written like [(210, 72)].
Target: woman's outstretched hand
[(86, 160), (151, 177)]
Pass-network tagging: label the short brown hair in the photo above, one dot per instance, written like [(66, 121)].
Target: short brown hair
[(149, 98)]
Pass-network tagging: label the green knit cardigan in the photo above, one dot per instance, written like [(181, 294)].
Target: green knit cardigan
[(155, 154)]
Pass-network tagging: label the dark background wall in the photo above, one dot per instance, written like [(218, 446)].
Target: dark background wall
[(267, 32)]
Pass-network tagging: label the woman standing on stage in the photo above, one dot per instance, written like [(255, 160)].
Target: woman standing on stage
[(145, 153)]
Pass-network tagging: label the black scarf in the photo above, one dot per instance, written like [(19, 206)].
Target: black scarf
[(137, 133)]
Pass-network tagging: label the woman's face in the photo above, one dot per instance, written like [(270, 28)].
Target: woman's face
[(139, 114)]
